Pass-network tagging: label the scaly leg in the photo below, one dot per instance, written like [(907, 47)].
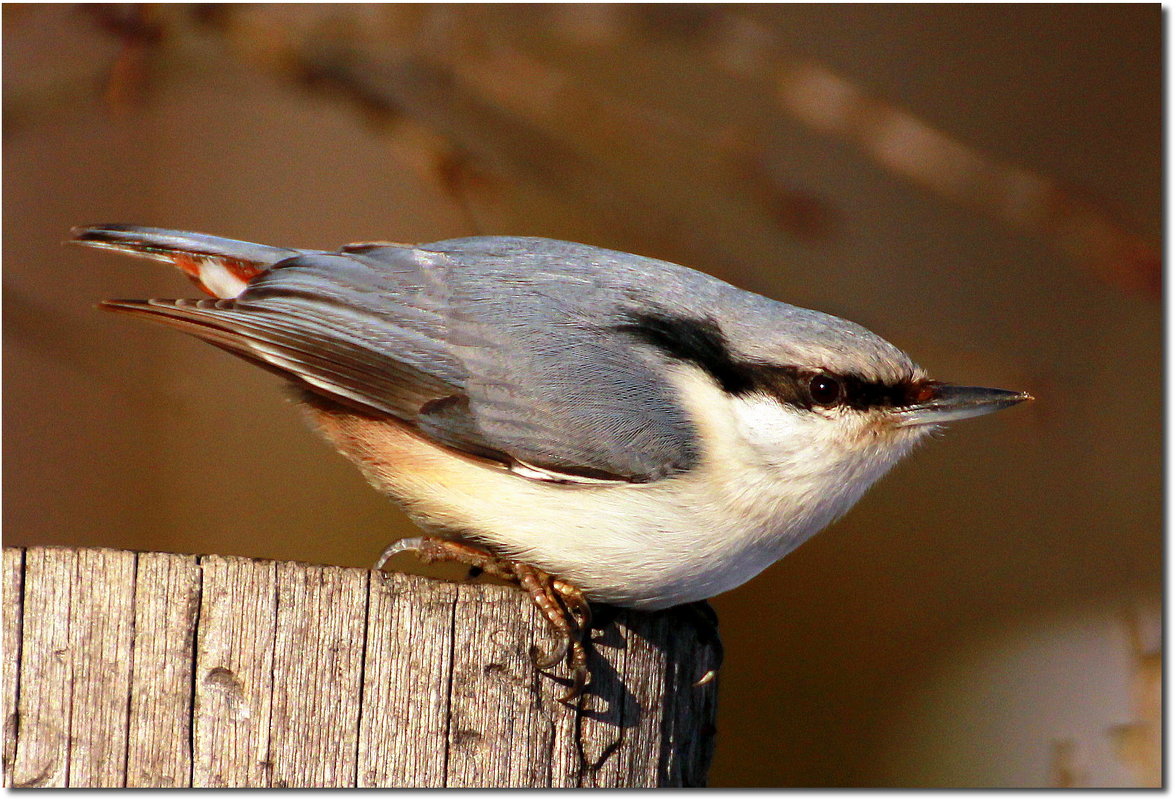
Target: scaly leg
[(562, 603)]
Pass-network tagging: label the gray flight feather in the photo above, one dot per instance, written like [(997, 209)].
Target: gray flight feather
[(518, 348), (161, 243)]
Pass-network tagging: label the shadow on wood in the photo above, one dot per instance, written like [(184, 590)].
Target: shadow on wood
[(166, 670)]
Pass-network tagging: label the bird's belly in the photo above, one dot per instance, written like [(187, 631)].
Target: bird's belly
[(646, 546), (620, 545)]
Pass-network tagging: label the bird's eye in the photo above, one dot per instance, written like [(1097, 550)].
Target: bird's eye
[(825, 390)]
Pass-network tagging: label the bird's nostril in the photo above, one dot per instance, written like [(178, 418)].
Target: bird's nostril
[(922, 392)]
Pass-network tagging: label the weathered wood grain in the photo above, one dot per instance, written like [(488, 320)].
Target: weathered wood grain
[(492, 673), (405, 709), (167, 602), (234, 673), (13, 591), (161, 670), (687, 730), (46, 670), (623, 739), (101, 615), (314, 735)]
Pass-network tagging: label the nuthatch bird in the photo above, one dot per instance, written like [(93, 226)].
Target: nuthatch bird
[(589, 424)]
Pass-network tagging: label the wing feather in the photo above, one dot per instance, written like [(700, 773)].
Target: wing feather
[(515, 357), (323, 363)]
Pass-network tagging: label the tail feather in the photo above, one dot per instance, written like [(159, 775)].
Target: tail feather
[(221, 267), (319, 360)]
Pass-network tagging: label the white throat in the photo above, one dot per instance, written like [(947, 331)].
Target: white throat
[(792, 471)]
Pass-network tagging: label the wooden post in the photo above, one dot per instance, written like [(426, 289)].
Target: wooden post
[(164, 670)]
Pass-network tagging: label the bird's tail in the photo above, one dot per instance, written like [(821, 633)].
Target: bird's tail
[(221, 267)]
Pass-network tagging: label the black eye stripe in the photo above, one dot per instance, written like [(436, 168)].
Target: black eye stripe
[(698, 341), (795, 386), (701, 342)]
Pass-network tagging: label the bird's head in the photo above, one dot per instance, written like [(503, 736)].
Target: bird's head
[(824, 403), (824, 395)]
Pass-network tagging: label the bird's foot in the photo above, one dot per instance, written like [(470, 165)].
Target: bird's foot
[(435, 549), (561, 602), (568, 612)]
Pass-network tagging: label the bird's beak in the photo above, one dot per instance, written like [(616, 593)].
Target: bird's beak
[(947, 403)]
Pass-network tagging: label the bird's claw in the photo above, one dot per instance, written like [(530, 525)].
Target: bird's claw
[(568, 612), (406, 544), (706, 624), (580, 676), (707, 678), (544, 661), (561, 602)]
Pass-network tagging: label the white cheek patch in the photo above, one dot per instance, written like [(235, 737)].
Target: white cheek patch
[(840, 444), (773, 429)]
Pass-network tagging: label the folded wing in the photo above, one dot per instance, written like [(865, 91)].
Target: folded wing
[(520, 363)]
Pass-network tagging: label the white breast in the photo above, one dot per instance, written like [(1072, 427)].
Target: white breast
[(753, 498)]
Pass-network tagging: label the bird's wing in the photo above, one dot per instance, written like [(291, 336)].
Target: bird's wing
[(514, 362)]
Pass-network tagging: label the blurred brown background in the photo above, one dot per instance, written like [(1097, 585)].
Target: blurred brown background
[(980, 184)]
